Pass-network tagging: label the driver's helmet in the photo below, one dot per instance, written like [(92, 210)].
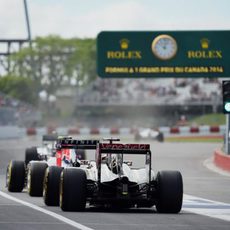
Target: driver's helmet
[(114, 165)]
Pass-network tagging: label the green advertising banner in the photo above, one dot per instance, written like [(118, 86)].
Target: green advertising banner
[(163, 54)]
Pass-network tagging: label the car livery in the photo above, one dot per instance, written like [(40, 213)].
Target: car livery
[(148, 134), (109, 181), (66, 157), (30, 173)]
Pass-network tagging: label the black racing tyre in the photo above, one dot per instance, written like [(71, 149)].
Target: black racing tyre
[(31, 154), (35, 178), (160, 137), (169, 191), (15, 176), (51, 185), (73, 189)]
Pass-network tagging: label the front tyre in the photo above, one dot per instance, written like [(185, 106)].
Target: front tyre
[(73, 189), (51, 185), (15, 176), (35, 177), (170, 192)]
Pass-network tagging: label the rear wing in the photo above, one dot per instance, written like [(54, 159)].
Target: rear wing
[(76, 144), (111, 148), (125, 148)]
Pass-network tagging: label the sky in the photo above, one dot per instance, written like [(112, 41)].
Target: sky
[(86, 18)]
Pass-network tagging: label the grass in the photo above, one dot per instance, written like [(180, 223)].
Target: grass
[(209, 139), (209, 119)]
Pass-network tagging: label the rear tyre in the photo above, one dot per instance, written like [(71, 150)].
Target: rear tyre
[(31, 154), (170, 192), (160, 137), (35, 177), (73, 189), (51, 185), (15, 176)]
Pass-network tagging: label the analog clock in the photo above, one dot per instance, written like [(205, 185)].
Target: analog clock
[(164, 47)]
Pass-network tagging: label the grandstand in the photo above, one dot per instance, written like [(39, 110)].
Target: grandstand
[(147, 101), (151, 92), (15, 112)]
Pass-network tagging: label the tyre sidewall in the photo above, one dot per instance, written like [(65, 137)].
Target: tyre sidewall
[(170, 191), (51, 185), (15, 180), (35, 178), (73, 189)]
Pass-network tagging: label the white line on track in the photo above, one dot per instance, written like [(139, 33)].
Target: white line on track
[(206, 207), (191, 204), (52, 214)]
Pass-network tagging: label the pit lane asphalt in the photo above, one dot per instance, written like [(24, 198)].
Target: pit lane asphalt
[(186, 157)]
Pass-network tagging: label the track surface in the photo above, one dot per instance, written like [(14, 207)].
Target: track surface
[(19, 211)]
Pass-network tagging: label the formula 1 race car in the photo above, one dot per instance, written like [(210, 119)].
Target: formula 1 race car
[(65, 157), (109, 181), (44, 152), (30, 173), (149, 134)]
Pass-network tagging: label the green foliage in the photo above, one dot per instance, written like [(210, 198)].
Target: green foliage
[(55, 61), (18, 87), (82, 64)]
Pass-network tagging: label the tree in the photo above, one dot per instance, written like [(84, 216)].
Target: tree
[(82, 64), (19, 87), (54, 62)]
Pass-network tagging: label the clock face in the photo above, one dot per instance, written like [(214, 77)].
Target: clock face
[(164, 47)]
